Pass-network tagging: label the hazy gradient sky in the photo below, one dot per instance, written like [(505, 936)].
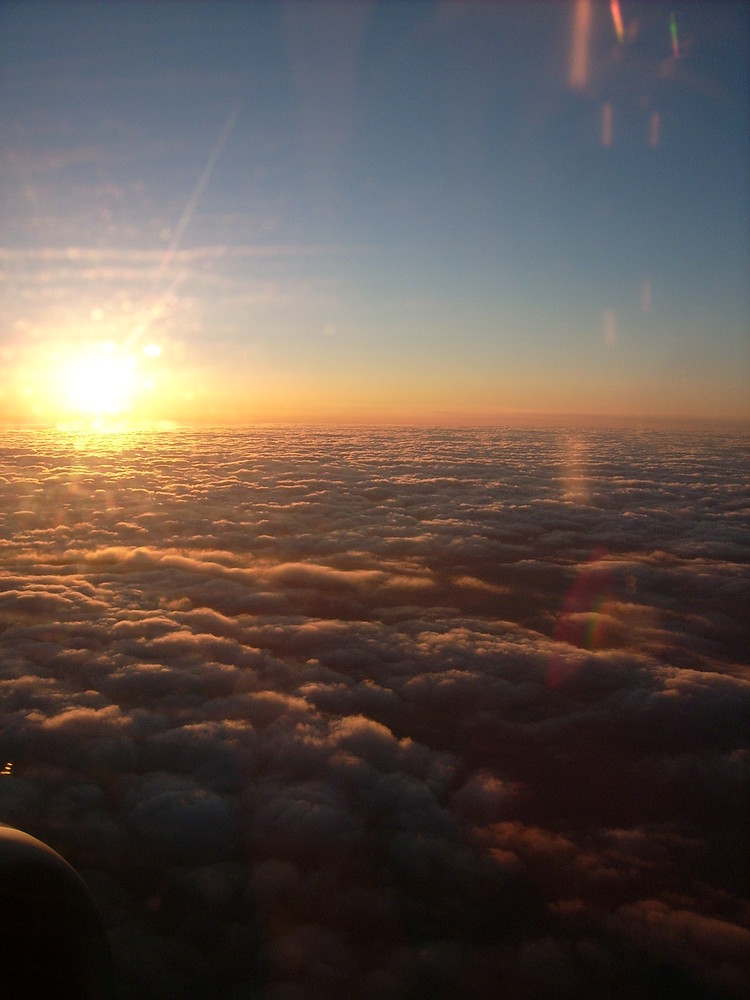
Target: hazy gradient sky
[(373, 212)]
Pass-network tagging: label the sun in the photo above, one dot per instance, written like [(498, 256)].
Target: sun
[(92, 385), (99, 382)]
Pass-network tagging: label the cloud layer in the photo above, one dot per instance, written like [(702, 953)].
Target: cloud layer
[(387, 713)]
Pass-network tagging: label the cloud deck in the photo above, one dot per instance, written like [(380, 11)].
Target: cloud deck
[(387, 713)]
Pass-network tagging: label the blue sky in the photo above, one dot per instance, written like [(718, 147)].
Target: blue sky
[(380, 211)]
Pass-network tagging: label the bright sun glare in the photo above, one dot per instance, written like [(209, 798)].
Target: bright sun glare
[(99, 383)]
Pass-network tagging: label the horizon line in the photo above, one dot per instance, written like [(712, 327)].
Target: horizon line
[(521, 418)]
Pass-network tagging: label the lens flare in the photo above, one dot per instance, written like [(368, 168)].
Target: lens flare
[(579, 54), (198, 190), (617, 20), (673, 36), (583, 621), (142, 328), (653, 134)]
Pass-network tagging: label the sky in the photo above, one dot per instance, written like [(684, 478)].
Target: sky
[(386, 713), (373, 213)]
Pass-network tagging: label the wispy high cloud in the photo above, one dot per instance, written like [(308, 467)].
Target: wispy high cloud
[(153, 257)]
